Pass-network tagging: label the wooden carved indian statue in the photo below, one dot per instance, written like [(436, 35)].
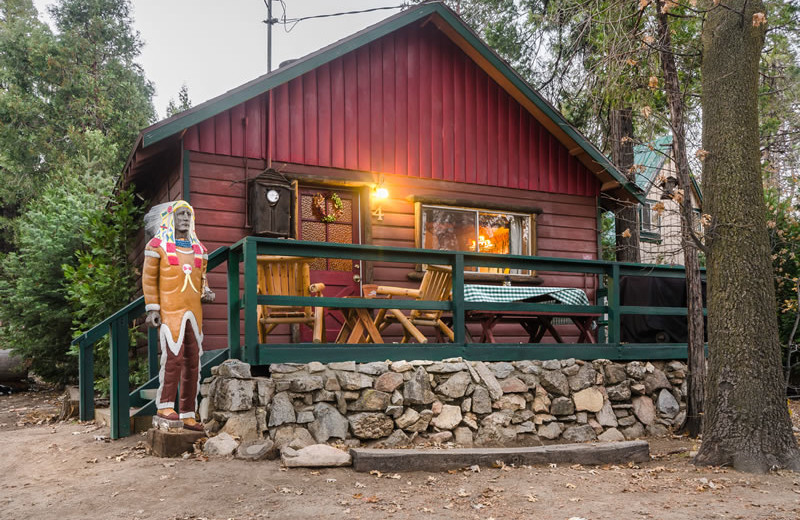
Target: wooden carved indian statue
[(174, 285)]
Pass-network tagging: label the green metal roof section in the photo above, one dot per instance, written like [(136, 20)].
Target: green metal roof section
[(267, 82), (648, 160)]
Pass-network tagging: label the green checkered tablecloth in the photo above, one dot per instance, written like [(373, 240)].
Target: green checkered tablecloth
[(504, 294)]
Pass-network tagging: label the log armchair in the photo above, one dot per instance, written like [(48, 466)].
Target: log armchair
[(436, 285), (288, 276)]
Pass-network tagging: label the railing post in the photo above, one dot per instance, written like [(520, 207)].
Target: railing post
[(153, 364), (86, 380), (458, 299), (120, 402), (613, 306), (234, 305), (250, 301)]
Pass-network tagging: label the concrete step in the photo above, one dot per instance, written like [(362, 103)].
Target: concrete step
[(138, 424), (366, 459)]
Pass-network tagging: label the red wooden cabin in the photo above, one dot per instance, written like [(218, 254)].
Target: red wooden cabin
[(471, 156)]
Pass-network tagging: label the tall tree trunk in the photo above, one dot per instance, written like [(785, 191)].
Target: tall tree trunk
[(694, 289), (747, 422), (627, 217)]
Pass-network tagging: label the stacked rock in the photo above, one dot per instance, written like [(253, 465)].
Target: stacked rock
[(468, 403)]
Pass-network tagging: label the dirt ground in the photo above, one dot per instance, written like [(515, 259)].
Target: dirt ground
[(71, 470)]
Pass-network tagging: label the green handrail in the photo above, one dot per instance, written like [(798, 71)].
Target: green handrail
[(116, 326), (247, 299)]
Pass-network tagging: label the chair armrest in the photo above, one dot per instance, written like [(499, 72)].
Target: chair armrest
[(397, 291), (316, 288)]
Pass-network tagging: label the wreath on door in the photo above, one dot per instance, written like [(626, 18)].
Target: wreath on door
[(320, 207)]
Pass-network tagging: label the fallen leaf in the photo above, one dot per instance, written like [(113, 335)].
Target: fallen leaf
[(653, 82), (646, 111), (360, 485), (376, 473), (569, 485), (626, 233), (759, 19)]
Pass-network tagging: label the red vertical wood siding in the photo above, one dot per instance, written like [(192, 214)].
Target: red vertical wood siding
[(411, 103)]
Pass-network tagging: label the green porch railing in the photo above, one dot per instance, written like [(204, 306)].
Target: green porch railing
[(121, 399), (242, 258), (246, 298)]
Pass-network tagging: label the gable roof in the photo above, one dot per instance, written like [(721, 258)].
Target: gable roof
[(462, 35)]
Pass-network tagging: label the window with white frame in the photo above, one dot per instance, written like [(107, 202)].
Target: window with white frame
[(650, 218), (450, 228)]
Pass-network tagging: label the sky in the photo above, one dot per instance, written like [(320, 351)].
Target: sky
[(216, 45)]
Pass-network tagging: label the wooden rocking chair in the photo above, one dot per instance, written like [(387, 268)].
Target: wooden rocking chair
[(288, 276), (436, 285)]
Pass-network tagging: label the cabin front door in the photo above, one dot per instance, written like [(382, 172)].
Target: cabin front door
[(323, 219)]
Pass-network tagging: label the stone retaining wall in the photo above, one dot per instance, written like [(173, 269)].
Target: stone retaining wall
[(468, 403)]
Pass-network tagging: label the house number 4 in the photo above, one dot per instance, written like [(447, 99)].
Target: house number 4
[(378, 213)]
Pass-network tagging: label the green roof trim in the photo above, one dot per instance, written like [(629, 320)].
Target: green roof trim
[(267, 82)]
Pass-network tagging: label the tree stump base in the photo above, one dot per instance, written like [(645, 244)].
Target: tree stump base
[(162, 443)]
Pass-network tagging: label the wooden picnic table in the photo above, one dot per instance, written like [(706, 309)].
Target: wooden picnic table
[(535, 323), (358, 326)]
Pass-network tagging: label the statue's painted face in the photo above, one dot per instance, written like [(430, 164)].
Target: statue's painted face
[(183, 221)]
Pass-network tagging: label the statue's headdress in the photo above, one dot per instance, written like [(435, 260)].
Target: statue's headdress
[(159, 223)]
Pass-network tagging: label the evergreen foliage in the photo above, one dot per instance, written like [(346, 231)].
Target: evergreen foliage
[(183, 103), (54, 87), (102, 279), (76, 100), (36, 315)]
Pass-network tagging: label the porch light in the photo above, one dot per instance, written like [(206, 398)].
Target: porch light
[(379, 191)]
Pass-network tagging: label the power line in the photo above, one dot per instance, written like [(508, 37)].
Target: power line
[(286, 22), (294, 21)]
